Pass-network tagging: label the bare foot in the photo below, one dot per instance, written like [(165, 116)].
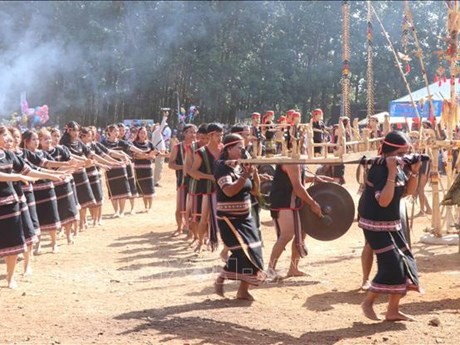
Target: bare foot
[(398, 317), (246, 296), (295, 273), (366, 285), (272, 275), (369, 312), (54, 249), (12, 284), (219, 286), (199, 248), (27, 272), (176, 233)]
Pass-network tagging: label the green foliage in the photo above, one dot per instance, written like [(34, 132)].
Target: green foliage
[(123, 59)]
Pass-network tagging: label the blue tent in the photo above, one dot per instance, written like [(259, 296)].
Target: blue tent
[(402, 107)]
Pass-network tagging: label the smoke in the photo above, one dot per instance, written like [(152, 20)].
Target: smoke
[(31, 53), (59, 53)]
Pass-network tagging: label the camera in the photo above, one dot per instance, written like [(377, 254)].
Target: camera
[(165, 109)]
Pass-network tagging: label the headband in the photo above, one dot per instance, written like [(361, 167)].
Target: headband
[(234, 142), (394, 145)]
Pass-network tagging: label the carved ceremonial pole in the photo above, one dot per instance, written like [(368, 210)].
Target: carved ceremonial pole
[(370, 65)]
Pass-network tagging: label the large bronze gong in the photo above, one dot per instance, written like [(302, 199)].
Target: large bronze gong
[(338, 210)]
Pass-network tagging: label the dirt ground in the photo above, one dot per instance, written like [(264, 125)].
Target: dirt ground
[(129, 282)]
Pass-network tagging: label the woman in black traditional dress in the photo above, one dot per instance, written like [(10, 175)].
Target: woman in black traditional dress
[(124, 136), (143, 170), (67, 207), (12, 240), (80, 152), (236, 225), (44, 192), (55, 140), (380, 219), (32, 228), (102, 160), (117, 178)]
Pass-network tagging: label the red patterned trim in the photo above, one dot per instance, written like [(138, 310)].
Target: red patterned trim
[(384, 249), (253, 279), (50, 227), (45, 200), (380, 225), (10, 215), (13, 250)]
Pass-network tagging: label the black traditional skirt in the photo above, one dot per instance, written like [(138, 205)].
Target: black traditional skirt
[(241, 237), (84, 193), (117, 183), (30, 235), (74, 189), (131, 182), (32, 208), (12, 241), (46, 204), (94, 177), (28, 228), (396, 266), (144, 178), (67, 208)]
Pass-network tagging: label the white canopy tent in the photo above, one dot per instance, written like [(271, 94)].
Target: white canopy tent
[(381, 118)]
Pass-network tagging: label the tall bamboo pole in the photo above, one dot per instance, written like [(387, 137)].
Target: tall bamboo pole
[(370, 64), (434, 174), (345, 109)]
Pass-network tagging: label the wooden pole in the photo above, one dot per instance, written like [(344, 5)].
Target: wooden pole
[(370, 64), (398, 63), (345, 110)]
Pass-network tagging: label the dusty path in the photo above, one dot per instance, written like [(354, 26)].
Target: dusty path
[(129, 282)]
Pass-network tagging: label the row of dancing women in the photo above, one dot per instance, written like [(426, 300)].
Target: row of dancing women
[(49, 181)]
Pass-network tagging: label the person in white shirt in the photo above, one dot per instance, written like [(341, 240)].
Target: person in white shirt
[(160, 145)]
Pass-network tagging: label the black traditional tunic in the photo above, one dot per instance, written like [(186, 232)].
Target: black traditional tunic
[(143, 170), (383, 229), (44, 193), (318, 134), (85, 194), (207, 188), (283, 198), (237, 229), (28, 192), (12, 240), (66, 200), (94, 175), (117, 178)]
